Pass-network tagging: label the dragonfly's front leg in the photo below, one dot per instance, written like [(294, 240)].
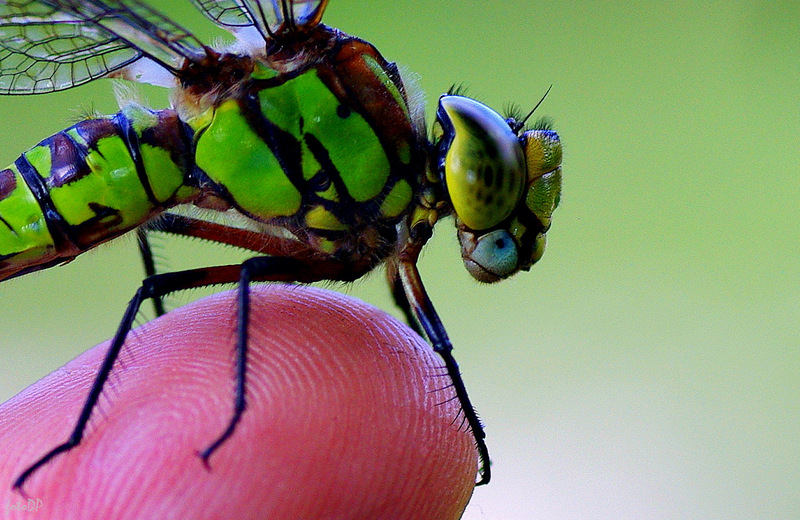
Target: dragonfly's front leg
[(428, 318), (400, 298)]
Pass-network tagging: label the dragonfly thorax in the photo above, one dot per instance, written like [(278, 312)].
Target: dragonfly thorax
[(320, 143), (214, 77)]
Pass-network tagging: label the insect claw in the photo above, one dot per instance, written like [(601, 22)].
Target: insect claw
[(204, 456)]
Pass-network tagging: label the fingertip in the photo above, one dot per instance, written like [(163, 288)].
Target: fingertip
[(348, 416)]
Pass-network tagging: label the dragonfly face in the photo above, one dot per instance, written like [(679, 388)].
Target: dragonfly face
[(304, 135), (503, 184)]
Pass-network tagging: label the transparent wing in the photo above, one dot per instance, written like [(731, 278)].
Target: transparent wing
[(228, 13), (272, 18), (49, 45), (296, 15)]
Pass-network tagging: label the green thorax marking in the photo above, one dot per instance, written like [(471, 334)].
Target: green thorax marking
[(305, 148)]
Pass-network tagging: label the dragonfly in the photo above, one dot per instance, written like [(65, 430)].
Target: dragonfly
[(298, 143)]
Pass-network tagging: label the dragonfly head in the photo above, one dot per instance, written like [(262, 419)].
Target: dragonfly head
[(503, 182)]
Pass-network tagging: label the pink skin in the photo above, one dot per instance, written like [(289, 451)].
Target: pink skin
[(347, 418)]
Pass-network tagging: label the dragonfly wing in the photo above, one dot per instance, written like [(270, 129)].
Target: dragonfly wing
[(272, 18), (303, 14), (233, 16), (49, 45), (227, 13)]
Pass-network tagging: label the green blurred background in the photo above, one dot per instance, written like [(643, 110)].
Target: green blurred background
[(649, 366)]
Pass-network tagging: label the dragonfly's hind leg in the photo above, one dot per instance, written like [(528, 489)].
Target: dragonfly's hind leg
[(179, 225), (146, 251), (154, 286), (281, 264), (159, 285)]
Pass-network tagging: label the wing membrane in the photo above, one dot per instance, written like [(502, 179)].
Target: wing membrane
[(228, 13), (272, 18), (300, 14), (49, 45)]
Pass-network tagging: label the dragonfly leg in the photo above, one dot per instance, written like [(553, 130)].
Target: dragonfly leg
[(255, 269), (428, 318), (252, 269), (401, 300), (146, 251), (402, 303), (179, 225), (94, 394), (284, 264), (157, 285)]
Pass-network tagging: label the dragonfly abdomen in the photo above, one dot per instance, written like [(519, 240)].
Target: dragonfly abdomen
[(90, 183)]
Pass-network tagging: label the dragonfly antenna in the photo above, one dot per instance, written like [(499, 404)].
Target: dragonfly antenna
[(522, 123)]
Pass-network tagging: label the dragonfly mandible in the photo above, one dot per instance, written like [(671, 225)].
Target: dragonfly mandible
[(306, 140)]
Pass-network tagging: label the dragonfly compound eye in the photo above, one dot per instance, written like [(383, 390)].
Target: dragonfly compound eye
[(543, 154), (483, 162), (490, 257)]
